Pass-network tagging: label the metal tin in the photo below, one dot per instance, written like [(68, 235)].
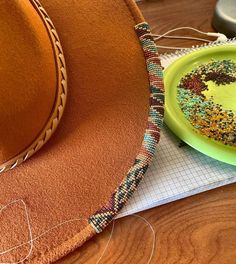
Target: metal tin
[(224, 20)]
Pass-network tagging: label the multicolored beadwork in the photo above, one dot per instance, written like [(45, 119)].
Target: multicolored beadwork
[(209, 118), (151, 138)]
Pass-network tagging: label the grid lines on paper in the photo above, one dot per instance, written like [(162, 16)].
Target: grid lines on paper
[(177, 173)]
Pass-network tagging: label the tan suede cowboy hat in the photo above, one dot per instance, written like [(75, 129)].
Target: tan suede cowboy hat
[(112, 102)]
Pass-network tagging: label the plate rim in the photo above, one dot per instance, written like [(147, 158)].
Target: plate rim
[(174, 122)]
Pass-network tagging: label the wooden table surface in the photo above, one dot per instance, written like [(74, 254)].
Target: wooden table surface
[(197, 230)]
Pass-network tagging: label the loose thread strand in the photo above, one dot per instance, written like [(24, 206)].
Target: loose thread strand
[(112, 232), (33, 239)]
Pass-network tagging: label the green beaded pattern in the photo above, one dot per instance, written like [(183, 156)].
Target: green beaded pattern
[(151, 138)]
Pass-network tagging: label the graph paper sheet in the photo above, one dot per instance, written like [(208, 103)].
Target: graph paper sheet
[(178, 172)]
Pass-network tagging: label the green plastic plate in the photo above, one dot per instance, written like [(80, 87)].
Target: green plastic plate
[(174, 117)]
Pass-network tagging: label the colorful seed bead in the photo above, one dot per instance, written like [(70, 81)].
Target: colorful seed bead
[(210, 119)]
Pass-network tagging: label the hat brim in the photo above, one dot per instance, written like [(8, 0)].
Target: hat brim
[(107, 136)]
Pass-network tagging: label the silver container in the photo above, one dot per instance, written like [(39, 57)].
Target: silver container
[(224, 20)]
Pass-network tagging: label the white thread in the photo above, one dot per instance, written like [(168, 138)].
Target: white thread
[(153, 233), (213, 34), (108, 242), (29, 228), (164, 47), (112, 231), (220, 37), (31, 239), (173, 48), (180, 37), (41, 235)]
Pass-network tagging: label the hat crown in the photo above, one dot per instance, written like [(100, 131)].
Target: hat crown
[(29, 81)]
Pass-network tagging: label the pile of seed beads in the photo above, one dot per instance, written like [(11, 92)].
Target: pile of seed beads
[(211, 119)]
